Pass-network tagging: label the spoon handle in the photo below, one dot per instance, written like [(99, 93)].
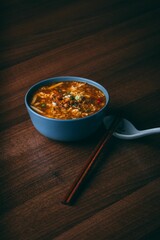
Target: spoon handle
[(149, 132), (139, 134)]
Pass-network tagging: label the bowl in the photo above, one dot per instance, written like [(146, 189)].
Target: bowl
[(66, 129)]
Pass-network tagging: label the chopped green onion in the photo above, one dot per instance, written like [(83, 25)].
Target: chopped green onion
[(72, 97), (77, 97), (43, 105)]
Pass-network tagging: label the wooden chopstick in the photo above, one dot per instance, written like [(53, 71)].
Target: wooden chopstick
[(68, 200)]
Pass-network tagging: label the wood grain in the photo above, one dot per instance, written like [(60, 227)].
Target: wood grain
[(115, 43)]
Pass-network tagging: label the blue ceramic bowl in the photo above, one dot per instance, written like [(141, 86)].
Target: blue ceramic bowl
[(70, 129)]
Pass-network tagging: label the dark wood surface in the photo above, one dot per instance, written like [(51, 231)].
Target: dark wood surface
[(117, 44)]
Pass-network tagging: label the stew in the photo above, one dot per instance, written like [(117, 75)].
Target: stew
[(68, 100)]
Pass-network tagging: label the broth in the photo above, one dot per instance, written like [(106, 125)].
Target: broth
[(68, 100)]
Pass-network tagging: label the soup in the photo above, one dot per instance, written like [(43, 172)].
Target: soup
[(68, 100)]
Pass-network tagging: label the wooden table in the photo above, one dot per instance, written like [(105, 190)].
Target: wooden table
[(117, 44)]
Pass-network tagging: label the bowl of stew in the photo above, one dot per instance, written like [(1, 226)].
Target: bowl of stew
[(67, 108)]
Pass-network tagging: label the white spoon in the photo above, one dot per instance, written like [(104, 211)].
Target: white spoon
[(126, 130)]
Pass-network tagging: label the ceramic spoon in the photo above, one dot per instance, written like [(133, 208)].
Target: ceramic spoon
[(126, 130)]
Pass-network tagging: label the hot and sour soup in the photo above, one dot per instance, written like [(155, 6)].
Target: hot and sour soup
[(68, 100)]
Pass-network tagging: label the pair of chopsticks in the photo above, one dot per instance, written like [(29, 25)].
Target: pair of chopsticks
[(73, 191)]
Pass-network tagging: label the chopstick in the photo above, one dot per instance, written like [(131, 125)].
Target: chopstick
[(73, 191)]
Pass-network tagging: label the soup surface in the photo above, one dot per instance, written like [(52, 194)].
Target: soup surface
[(68, 100)]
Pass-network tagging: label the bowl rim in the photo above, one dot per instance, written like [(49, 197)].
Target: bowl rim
[(66, 78)]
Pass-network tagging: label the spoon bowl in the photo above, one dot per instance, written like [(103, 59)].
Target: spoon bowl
[(126, 130)]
